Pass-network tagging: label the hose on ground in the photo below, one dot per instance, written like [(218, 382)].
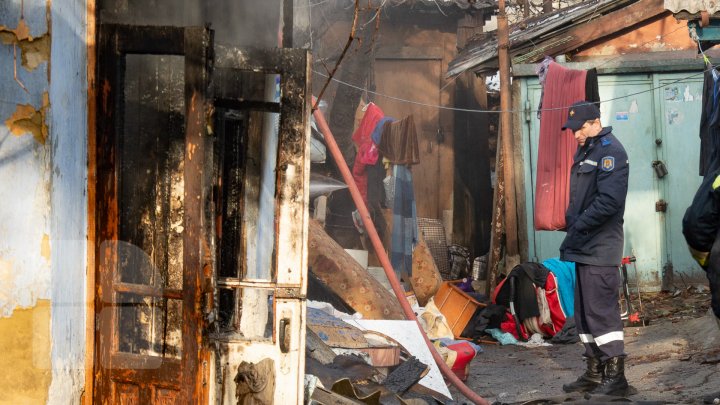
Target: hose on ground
[(384, 260)]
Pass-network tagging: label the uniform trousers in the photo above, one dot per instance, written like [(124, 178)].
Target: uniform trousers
[(597, 311)]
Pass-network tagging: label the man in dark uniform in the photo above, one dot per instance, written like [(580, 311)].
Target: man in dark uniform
[(594, 241)]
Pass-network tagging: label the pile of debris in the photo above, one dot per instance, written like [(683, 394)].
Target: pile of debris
[(359, 345)]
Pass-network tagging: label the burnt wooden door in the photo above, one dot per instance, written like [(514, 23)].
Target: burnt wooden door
[(421, 81), (261, 109), (151, 248)]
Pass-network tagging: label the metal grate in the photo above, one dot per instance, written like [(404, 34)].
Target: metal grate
[(434, 234)]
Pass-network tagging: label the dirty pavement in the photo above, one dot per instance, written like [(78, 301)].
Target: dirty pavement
[(673, 360)]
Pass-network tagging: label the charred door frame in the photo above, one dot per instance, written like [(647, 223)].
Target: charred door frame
[(289, 281), (114, 42), (293, 66)]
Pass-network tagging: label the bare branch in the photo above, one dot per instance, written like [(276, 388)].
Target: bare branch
[(342, 55)]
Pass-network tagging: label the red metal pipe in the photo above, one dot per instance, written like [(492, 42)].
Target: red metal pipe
[(384, 260)]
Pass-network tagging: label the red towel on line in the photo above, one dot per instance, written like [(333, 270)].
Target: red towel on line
[(556, 147), (362, 139)]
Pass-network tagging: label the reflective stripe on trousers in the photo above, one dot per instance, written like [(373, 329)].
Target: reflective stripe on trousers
[(597, 311)]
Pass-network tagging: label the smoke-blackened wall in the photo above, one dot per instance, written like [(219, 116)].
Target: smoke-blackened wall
[(238, 23)]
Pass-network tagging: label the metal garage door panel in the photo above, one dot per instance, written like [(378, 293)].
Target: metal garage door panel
[(628, 107), (680, 99)]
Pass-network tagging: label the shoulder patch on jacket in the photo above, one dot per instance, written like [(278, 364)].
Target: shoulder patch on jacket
[(605, 142), (607, 163)]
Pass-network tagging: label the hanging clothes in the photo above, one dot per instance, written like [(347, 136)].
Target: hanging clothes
[(404, 228), (372, 115), (363, 141), (376, 135), (556, 147), (399, 142), (541, 69), (592, 89)]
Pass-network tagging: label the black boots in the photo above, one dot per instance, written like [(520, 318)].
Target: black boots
[(613, 379), (588, 381)]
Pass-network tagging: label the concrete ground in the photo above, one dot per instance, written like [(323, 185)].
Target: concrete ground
[(675, 362)]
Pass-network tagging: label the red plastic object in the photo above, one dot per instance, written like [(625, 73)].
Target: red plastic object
[(465, 353)]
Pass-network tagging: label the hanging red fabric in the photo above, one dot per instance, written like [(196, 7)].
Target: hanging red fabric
[(362, 140), (556, 147)]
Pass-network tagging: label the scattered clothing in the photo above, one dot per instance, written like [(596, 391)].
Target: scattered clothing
[(434, 322), (484, 318), (526, 277), (565, 276), (568, 333), (536, 340), (503, 338), (450, 342)]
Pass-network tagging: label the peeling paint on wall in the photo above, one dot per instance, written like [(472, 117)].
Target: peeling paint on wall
[(25, 361), (26, 119), (33, 50), (45, 247), (7, 280)]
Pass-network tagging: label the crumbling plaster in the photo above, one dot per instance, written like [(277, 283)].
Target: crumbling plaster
[(24, 168), (25, 172)]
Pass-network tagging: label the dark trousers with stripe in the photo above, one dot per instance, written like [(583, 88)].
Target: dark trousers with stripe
[(597, 311), (713, 275)]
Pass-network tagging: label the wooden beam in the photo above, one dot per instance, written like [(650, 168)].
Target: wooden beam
[(511, 244), (594, 30)]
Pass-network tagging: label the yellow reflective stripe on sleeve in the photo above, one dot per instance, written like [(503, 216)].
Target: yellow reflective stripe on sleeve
[(716, 183), (700, 257)]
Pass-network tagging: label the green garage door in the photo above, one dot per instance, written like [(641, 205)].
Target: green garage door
[(656, 118)]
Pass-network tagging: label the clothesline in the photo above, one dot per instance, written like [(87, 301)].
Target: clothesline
[(442, 107), (656, 39)]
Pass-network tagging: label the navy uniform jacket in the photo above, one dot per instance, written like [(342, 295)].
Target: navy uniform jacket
[(598, 187)]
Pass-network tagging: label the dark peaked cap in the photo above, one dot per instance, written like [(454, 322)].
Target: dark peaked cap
[(579, 113)]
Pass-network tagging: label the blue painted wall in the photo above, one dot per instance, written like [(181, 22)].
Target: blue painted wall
[(68, 142), (43, 178)]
